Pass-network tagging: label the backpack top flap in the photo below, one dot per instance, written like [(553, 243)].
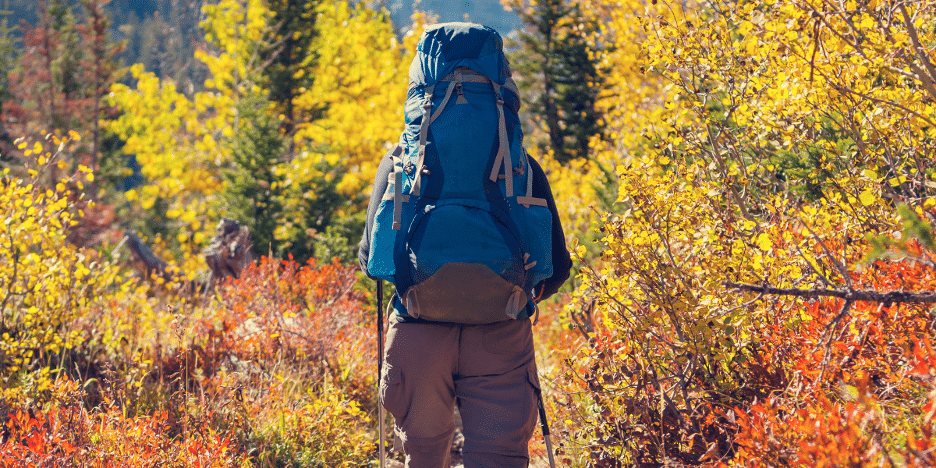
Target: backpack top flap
[(444, 47)]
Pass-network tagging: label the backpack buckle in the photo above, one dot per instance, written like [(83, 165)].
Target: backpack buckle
[(427, 101), (461, 94)]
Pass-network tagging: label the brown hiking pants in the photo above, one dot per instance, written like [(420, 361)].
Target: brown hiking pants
[(489, 371)]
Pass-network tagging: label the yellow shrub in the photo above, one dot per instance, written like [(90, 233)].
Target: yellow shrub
[(45, 282)]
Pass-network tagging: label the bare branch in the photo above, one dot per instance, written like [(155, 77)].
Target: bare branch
[(883, 101), (890, 297), (917, 46), (828, 334)]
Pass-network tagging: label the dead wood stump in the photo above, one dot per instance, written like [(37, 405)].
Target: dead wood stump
[(229, 252)]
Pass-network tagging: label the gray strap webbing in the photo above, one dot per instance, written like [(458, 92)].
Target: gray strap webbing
[(397, 188), (423, 132), (503, 148), (469, 75), (398, 199), (448, 94), (528, 199), (461, 94), (391, 180)]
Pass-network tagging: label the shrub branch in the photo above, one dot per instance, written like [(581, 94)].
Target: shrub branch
[(890, 297)]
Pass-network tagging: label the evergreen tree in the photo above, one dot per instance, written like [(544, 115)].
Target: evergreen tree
[(333, 220), (258, 193), (99, 70), (558, 78), (65, 69), (253, 190), (8, 53), (294, 24)]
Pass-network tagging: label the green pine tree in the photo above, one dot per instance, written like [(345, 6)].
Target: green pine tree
[(294, 23), (557, 76), (257, 194), (8, 54), (253, 190)]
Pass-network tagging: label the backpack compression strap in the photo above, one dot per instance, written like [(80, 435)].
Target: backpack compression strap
[(426, 121), (398, 196), (503, 159), (468, 75), (528, 199), (503, 148)]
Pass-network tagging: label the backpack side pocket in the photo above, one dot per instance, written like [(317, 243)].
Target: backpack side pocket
[(383, 239), (386, 242), (535, 224)]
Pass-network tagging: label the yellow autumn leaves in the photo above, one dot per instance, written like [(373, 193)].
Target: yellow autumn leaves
[(45, 281), (361, 79), (347, 119), (750, 138)]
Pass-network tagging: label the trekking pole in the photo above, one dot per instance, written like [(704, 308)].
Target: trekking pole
[(380, 352), (545, 426)]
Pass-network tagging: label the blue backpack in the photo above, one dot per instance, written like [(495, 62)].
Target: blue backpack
[(458, 231)]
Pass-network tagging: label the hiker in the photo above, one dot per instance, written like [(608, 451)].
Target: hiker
[(464, 224)]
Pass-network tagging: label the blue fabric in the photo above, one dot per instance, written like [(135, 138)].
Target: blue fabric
[(460, 215), (445, 46)]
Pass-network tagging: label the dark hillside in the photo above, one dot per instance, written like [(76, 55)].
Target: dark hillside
[(487, 12)]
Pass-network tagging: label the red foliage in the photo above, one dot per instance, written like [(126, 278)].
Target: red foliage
[(815, 386), (859, 400), (197, 401), (71, 436)]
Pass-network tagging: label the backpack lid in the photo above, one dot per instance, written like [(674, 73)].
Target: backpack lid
[(445, 46)]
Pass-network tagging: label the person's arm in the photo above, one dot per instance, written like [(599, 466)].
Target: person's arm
[(562, 261), (379, 187)]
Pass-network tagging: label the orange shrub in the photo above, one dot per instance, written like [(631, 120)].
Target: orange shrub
[(72, 436), (275, 368)]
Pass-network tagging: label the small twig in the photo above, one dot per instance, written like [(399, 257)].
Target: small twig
[(741, 306), (827, 334), (814, 268), (841, 267), (812, 59)]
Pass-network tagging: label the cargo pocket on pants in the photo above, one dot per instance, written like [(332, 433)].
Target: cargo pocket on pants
[(392, 394), (533, 377)]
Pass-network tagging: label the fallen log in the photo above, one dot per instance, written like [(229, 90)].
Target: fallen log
[(146, 260)]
